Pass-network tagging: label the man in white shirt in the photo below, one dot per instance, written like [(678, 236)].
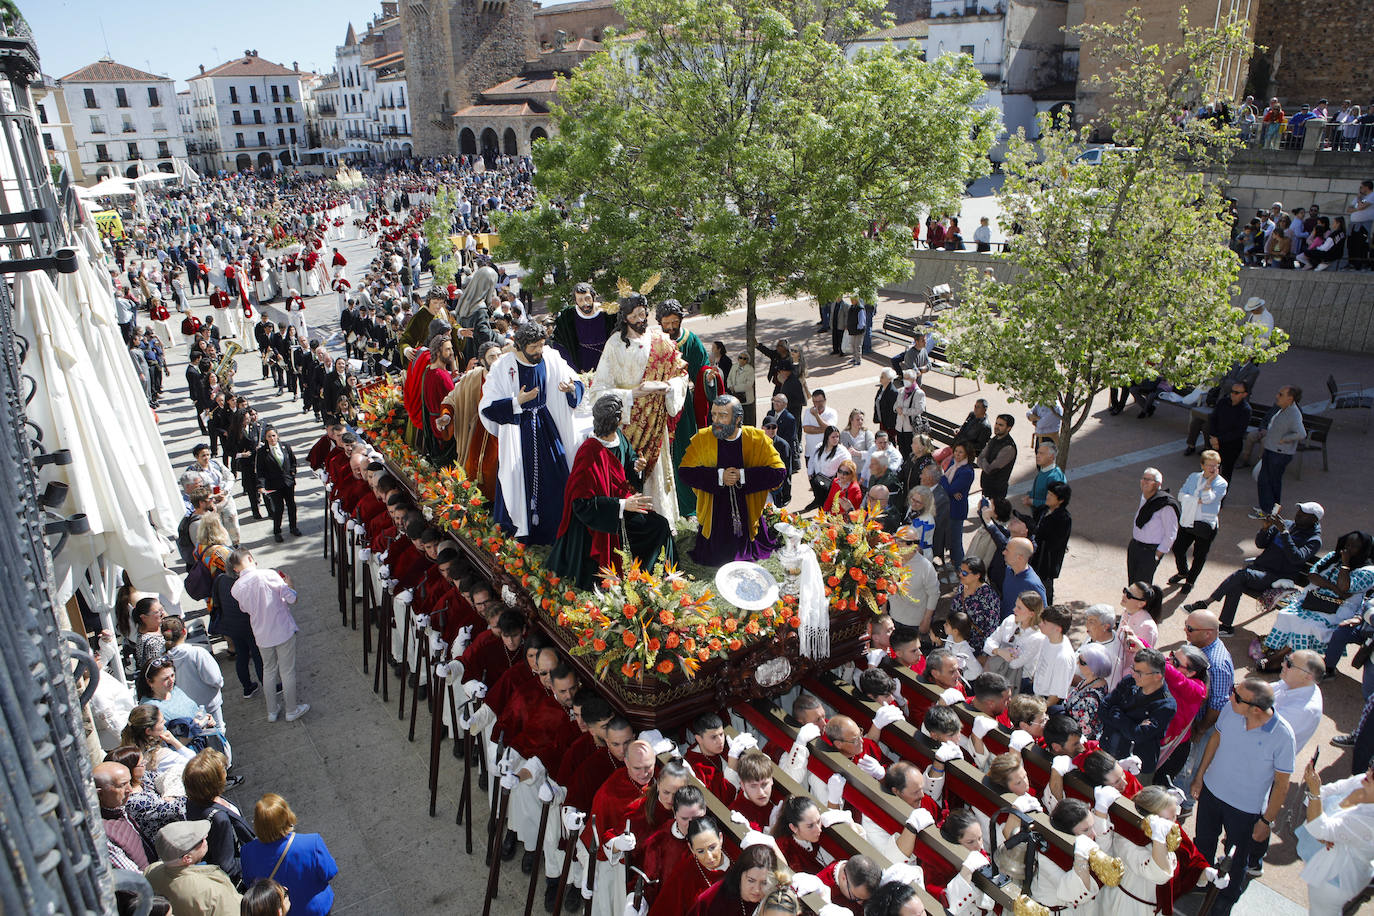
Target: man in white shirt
[(882, 447), (982, 236), (1257, 314), (1154, 528), (814, 421), (1361, 226)]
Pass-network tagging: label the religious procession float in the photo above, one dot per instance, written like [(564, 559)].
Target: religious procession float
[(672, 641)]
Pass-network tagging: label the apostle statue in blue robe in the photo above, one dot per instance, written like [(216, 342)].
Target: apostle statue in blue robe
[(527, 404)]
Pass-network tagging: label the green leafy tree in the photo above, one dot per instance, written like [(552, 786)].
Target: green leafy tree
[(436, 228), (1122, 271), (733, 147)]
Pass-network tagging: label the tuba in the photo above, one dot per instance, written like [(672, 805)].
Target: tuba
[(225, 368)]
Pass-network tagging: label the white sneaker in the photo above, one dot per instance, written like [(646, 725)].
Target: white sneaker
[(299, 711), (274, 716)]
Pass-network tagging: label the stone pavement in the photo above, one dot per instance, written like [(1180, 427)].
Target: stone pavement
[(351, 775)]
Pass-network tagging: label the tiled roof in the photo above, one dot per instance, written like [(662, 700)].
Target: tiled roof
[(573, 7), (524, 85), (385, 59), (918, 29), (107, 71), (497, 111), (251, 65)]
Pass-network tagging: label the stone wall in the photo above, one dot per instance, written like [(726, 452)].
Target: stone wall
[(1332, 310), (586, 19), (425, 38), (908, 10), (1322, 49), (1296, 178)]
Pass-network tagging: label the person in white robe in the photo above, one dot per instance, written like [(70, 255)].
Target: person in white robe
[(643, 367)]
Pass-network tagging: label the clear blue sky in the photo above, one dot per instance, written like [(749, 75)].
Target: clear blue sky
[(173, 37)]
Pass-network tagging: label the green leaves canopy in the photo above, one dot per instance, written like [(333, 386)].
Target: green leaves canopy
[(735, 148), (1122, 271)]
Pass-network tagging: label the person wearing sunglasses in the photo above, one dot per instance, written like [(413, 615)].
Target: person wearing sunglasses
[(1242, 780), (845, 495)]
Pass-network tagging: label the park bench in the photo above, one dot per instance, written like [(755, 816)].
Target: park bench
[(939, 363), (1318, 431)]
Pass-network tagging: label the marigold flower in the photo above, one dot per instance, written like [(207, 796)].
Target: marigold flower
[(666, 618), (629, 639), (751, 627), (714, 644), (735, 644), (665, 667), (672, 641), (570, 595), (703, 654), (599, 645), (653, 644), (731, 624), (832, 581), (795, 622)]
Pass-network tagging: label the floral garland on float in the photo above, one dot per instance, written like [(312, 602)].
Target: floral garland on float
[(640, 624)]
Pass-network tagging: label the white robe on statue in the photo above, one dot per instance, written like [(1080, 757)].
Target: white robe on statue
[(502, 383), (620, 371)]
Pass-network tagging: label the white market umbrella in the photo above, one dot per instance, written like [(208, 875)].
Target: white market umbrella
[(155, 177), (73, 406), (111, 187)]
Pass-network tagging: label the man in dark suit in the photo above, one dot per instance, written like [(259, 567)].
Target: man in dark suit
[(276, 472), (788, 430), (783, 494), (197, 388)]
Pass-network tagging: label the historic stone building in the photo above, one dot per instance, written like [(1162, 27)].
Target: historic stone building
[(1313, 49), (453, 50)]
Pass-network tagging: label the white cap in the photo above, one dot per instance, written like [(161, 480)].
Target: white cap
[(1313, 509)]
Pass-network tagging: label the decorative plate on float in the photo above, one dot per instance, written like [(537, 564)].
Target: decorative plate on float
[(748, 586)]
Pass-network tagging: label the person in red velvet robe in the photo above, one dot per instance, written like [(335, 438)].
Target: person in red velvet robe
[(658, 804), (660, 854), (755, 798), (324, 446), (707, 756), (495, 650), (438, 442), (619, 799), (703, 866), (851, 881), (798, 833), (604, 763), (744, 886)]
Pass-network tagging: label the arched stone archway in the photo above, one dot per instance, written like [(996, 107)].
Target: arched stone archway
[(131, 172), (243, 163), (285, 157), (508, 142), (264, 160), (538, 133), (491, 146), (467, 142), (165, 167)]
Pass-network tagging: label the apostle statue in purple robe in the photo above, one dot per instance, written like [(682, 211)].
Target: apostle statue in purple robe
[(731, 467), (580, 333)]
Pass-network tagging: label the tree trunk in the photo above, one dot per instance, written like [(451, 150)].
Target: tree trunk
[(750, 341)]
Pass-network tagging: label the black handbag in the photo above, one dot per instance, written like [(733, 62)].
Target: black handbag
[(1321, 602)]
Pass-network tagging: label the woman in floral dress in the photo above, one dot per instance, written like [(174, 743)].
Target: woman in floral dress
[(1342, 577), (1087, 695)]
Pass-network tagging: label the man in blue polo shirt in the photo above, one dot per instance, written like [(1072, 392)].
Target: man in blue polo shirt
[(1242, 780)]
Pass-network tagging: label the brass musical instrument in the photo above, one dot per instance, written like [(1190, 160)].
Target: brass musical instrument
[(225, 368)]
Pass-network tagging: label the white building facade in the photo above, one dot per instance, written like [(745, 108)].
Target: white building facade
[(124, 120), (249, 114)]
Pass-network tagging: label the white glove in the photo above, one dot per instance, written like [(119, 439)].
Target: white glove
[(482, 718), (573, 819), (886, 716), (870, 766), (406, 597), (808, 733), (1130, 764), (834, 786), (464, 640), (741, 743), (364, 554), (1027, 804), (509, 780), (982, 725), (1083, 846), (834, 909), (835, 816), (1062, 764), (1220, 882), (1103, 796), (624, 842), (651, 736), (664, 746), (739, 818), (875, 657), (919, 820), (1159, 828), (757, 838), (436, 644), (421, 622), (383, 571), (1020, 740), (475, 689), (350, 526), (444, 670), (545, 792), (902, 873), (951, 696), (804, 884), (948, 751), (974, 860)]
